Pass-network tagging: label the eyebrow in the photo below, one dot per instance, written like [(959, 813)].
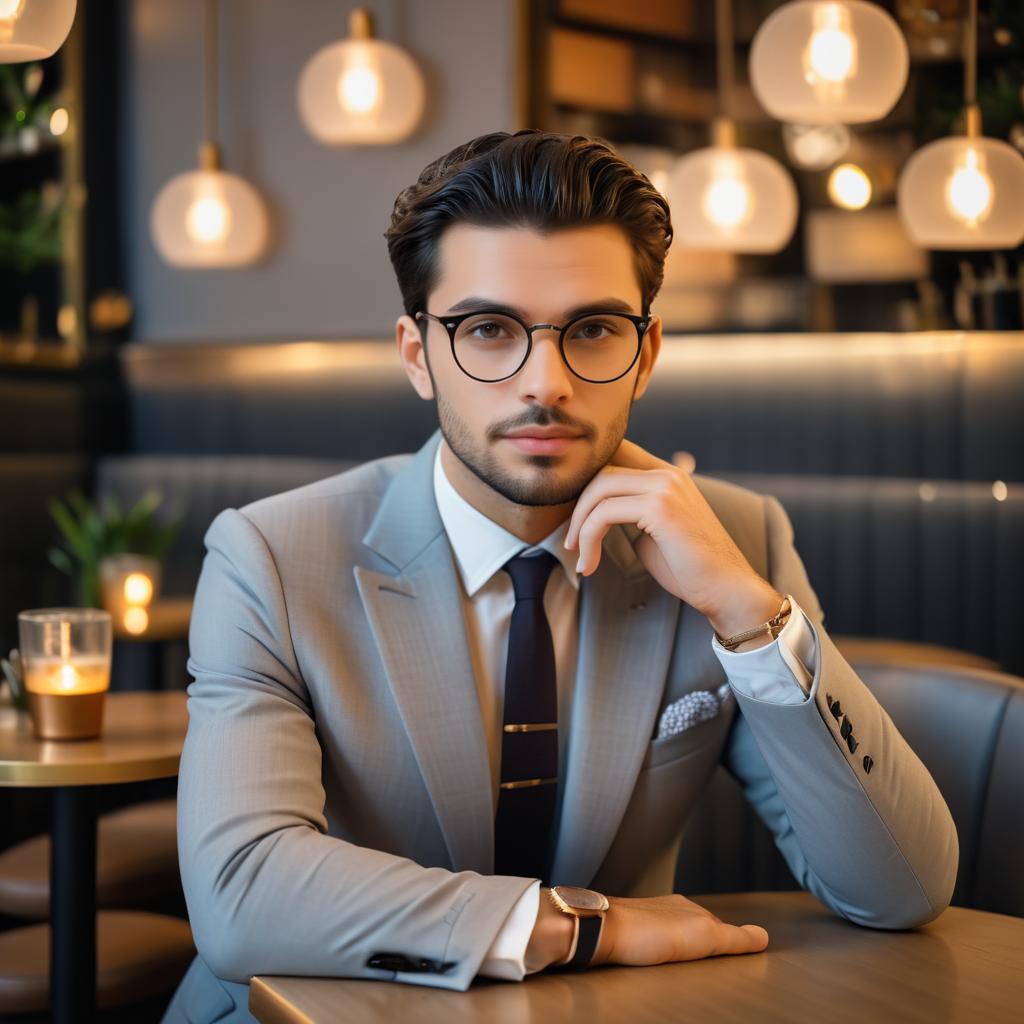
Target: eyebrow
[(475, 304)]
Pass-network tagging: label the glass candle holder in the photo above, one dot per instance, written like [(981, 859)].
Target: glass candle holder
[(129, 583), (65, 657)]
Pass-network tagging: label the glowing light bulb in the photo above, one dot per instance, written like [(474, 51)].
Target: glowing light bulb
[(969, 191), (849, 187), (831, 54), (136, 620), (58, 120), (10, 12), (727, 202), (360, 90), (208, 220), (138, 588)]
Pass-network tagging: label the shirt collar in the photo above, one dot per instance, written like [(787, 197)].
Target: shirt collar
[(481, 546)]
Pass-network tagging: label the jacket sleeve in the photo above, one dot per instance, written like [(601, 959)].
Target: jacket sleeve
[(268, 891), (853, 810)]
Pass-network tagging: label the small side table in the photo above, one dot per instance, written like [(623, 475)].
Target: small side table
[(143, 734)]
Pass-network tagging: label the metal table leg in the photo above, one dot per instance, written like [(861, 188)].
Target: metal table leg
[(73, 905)]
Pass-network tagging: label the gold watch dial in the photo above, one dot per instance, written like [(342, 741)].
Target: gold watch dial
[(584, 900)]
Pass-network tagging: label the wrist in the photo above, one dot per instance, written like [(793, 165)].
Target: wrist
[(744, 608), (552, 936)]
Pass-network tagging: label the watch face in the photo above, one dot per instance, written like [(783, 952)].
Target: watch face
[(582, 899)]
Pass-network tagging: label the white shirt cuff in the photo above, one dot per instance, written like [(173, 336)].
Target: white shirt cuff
[(780, 672), (506, 957)]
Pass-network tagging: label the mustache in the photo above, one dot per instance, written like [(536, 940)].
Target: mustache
[(541, 418)]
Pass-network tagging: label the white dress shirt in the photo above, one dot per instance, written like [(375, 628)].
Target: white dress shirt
[(780, 671)]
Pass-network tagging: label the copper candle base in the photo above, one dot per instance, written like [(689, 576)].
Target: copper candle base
[(67, 716)]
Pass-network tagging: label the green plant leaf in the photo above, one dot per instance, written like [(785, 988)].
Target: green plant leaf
[(62, 560), (72, 530)]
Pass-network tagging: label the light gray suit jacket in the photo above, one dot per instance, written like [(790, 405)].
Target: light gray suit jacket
[(335, 797)]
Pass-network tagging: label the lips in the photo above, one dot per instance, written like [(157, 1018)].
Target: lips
[(542, 442)]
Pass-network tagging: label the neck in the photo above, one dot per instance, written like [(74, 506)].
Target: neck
[(530, 523)]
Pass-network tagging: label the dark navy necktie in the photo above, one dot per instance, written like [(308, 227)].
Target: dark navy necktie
[(529, 739)]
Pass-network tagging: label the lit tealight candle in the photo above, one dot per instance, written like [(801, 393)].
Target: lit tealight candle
[(66, 657)]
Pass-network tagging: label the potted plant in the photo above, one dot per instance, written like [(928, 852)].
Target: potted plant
[(91, 533)]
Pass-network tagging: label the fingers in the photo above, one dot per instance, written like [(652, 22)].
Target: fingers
[(745, 938), (623, 509), (610, 482), (632, 456), (686, 461)]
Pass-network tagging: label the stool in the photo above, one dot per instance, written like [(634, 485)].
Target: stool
[(139, 956), (136, 864)]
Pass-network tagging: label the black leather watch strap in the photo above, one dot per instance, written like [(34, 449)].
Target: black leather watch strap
[(586, 944)]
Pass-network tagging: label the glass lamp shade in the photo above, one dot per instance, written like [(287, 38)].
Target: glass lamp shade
[(963, 193), (828, 61), (731, 200), (209, 218), (360, 92), (33, 29)]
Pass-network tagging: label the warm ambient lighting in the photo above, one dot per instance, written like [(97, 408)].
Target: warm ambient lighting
[(209, 217), (969, 190), (815, 146), (33, 29), (726, 198), (731, 199), (59, 121), (849, 187), (138, 588), (360, 90), (135, 620), (964, 192), (828, 61)]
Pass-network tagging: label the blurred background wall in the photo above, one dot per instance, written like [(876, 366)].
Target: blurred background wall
[(327, 273)]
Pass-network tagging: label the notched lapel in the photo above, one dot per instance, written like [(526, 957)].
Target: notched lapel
[(417, 624), (416, 617)]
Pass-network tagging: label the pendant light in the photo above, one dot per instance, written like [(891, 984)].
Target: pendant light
[(360, 91), (967, 191), (724, 197), (828, 61), (209, 218), (33, 29)]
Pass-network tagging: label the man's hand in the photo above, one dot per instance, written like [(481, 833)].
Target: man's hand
[(664, 929), (686, 548), (641, 932)]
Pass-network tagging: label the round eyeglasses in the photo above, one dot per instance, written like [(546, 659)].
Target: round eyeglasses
[(493, 346)]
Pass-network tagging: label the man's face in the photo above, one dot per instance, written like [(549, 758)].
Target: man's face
[(543, 278)]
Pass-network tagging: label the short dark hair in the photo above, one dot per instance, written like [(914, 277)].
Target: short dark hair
[(532, 178)]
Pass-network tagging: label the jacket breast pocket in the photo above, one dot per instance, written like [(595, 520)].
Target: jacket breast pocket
[(681, 744)]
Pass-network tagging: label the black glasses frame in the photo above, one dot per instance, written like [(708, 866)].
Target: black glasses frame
[(451, 324)]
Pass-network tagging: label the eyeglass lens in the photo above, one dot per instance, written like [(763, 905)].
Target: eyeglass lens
[(599, 347)]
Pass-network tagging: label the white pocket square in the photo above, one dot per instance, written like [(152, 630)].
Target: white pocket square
[(691, 709)]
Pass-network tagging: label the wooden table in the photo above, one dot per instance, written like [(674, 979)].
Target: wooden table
[(142, 738), (966, 966)]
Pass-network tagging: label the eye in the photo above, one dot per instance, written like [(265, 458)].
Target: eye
[(593, 330), (489, 330)]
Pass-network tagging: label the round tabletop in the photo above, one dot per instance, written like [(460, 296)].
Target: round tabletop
[(142, 739), (962, 967)]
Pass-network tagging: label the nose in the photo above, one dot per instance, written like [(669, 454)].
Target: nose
[(545, 378)]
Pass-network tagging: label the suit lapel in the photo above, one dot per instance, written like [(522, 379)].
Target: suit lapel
[(626, 632), (416, 618), (627, 628)]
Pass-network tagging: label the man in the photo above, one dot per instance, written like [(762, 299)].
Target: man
[(434, 692)]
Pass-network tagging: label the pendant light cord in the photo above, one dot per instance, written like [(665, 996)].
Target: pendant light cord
[(725, 58), (971, 56), (210, 73)]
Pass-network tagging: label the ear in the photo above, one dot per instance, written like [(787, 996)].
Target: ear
[(413, 355), (648, 356)]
